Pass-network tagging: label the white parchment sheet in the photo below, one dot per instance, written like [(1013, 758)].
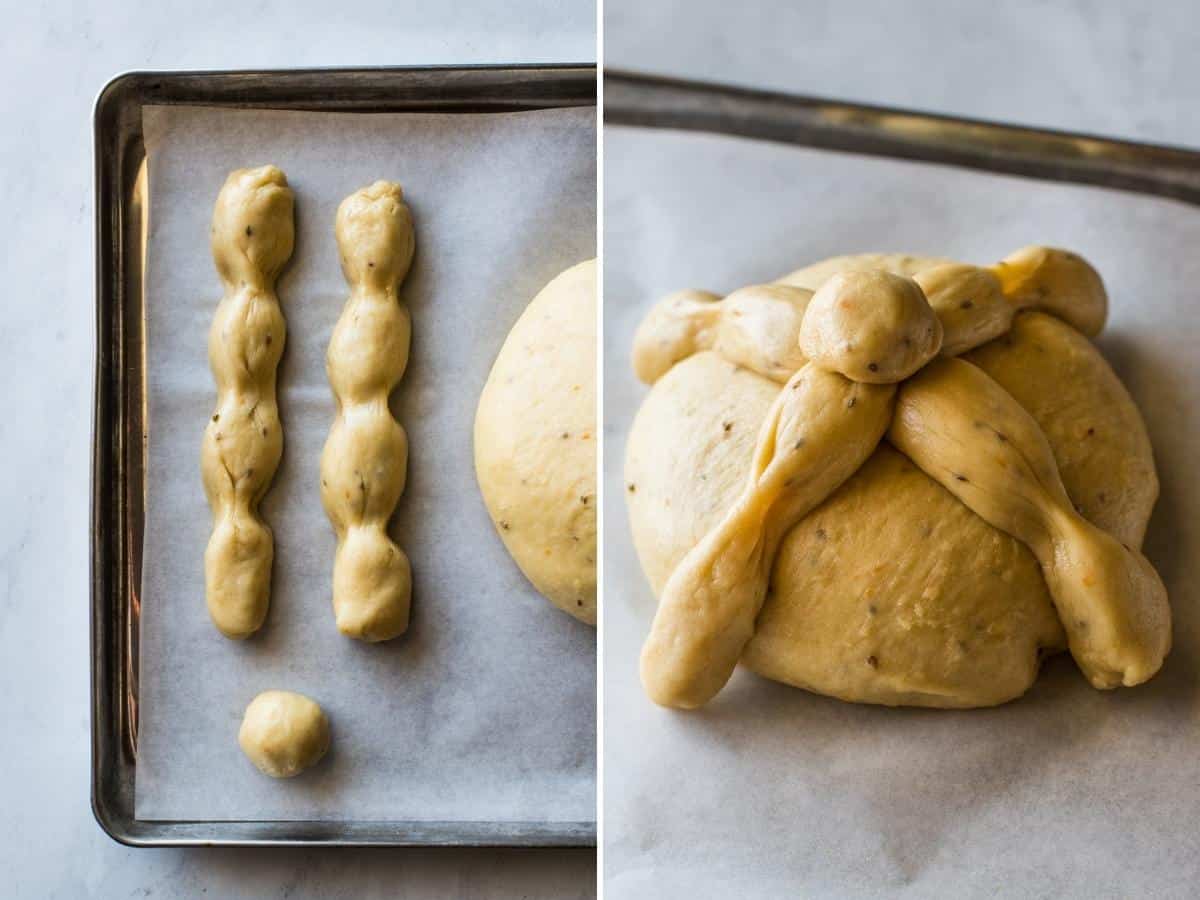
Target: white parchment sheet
[(773, 792), (485, 709)]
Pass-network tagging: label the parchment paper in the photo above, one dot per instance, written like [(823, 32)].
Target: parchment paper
[(485, 709), (774, 792)]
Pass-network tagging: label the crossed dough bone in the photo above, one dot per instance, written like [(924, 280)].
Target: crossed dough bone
[(969, 435), (710, 602), (364, 463), (819, 430), (252, 238), (759, 327)]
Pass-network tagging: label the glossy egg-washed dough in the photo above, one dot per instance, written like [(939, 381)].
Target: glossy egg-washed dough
[(892, 591), (535, 442)]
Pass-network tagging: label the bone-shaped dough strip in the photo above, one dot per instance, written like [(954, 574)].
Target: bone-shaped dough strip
[(969, 434), (252, 238), (365, 460), (758, 327), (819, 430), (755, 327)]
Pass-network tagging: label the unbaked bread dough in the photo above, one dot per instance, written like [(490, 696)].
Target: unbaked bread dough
[(872, 327), (535, 442), (252, 237), (813, 276), (1058, 282), (893, 591), (284, 733), (755, 327), (969, 303), (1105, 461), (365, 459), (890, 592), (774, 329), (968, 434), (818, 431)]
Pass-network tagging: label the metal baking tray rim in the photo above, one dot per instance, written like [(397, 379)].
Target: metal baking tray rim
[(118, 435), (655, 101)]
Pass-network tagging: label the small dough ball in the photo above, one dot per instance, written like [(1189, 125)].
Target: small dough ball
[(535, 442), (284, 733), (872, 327)]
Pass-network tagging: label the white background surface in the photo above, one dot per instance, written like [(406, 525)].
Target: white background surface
[(1129, 69), (54, 57)]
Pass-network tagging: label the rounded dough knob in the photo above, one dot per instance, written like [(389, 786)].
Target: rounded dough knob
[(1059, 282), (253, 230), (679, 325), (284, 733), (872, 327)]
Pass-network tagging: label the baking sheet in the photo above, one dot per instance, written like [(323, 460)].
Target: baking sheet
[(771, 791), (485, 709)]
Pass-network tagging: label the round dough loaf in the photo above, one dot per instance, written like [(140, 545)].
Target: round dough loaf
[(535, 442), (892, 591), (284, 733)]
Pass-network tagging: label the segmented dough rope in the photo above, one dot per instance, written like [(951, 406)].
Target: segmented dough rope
[(363, 465), (252, 238), (950, 418)]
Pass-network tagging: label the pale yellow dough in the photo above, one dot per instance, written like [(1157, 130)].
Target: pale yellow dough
[(252, 237), (812, 277), (971, 436), (365, 460), (535, 442), (818, 431), (773, 329), (755, 327), (1105, 461), (284, 733), (969, 303), (874, 327), (893, 591)]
